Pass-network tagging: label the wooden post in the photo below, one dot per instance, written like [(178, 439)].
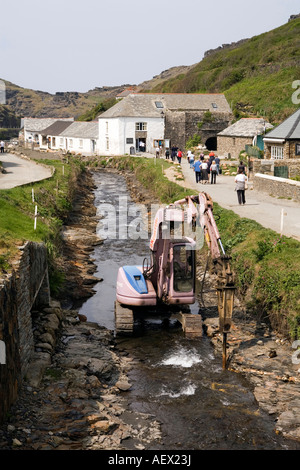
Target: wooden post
[(35, 217)]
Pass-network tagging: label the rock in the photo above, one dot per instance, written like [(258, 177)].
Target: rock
[(272, 353), (82, 318), (47, 338), (123, 385), (16, 442)]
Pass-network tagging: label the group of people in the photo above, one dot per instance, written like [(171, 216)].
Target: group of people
[(203, 168), (176, 153), (210, 167)]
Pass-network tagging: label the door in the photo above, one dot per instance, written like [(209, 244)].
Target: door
[(281, 171)]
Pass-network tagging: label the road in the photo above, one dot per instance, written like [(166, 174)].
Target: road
[(265, 209), (21, 171)]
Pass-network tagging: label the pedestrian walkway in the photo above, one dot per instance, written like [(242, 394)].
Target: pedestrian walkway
[(19, 171), (265, 209)]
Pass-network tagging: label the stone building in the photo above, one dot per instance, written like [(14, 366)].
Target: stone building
[(141, 121), (283, 142), (246, 131)]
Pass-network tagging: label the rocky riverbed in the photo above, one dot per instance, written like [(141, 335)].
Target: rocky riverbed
[(76, 392)]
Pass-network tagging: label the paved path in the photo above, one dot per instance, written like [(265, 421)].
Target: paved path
[(265, 209), (21, 171)]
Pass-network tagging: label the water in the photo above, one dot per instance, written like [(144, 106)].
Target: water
[(178, 381)]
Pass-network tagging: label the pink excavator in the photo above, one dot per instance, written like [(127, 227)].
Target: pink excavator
[(179, 230)]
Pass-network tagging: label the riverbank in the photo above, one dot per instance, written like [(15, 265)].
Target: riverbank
[(81, 399)]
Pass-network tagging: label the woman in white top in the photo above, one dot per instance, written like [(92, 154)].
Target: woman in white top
[(204, 173), (241, 181)]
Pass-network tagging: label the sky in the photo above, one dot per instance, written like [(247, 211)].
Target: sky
[(75, 45)]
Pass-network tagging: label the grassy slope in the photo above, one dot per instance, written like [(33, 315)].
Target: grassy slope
[(53, 198), (256, 76)]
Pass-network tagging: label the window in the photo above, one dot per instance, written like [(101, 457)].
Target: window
[(107, 143), (214, 105), (183, 262), (159, 104), (106, 127), (80, 143), (276, 152), (297, 149), (140, 126)]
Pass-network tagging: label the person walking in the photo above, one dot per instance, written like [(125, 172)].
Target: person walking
[(204, 172), (197, 169), (213, 172), (179, 156), (241, 185), (2, 146), (242, 167), (191, 160), (173, 152)]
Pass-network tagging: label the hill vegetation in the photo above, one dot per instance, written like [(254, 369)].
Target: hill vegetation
[(256, 75)]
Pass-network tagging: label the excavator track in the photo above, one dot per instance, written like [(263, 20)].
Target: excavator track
[(124, 319)]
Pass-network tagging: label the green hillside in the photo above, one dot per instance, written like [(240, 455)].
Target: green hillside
[(256, 76)]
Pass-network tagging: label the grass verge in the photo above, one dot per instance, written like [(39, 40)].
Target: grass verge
[(53, 198)]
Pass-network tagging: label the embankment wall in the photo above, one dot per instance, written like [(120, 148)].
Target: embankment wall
[(26, 287)]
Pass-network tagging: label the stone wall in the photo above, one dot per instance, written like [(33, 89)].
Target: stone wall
[(267, 166), (27, 286), (182, 125), (281, 187), (232, 145)]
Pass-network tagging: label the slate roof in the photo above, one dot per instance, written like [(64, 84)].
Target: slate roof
[(56, 128), (144, 104), (288, 129), (246, 127), (39, 124), (82, 130)]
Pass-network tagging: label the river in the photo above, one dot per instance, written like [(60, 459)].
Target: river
[(178, 381)]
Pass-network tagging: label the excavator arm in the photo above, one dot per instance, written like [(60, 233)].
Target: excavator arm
[(203, 210)]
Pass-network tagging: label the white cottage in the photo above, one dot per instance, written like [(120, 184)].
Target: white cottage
[(76, 137), (135, 124), (33, 126), (80, 137)]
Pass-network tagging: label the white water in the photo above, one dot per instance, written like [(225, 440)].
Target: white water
[(182, 358)]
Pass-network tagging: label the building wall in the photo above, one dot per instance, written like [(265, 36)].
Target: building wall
[(121, 134), (27, 286), (182, 125), (289, 149), (232, 145), (72, 144)]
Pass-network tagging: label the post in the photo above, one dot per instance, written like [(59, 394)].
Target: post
[(35, 217)]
